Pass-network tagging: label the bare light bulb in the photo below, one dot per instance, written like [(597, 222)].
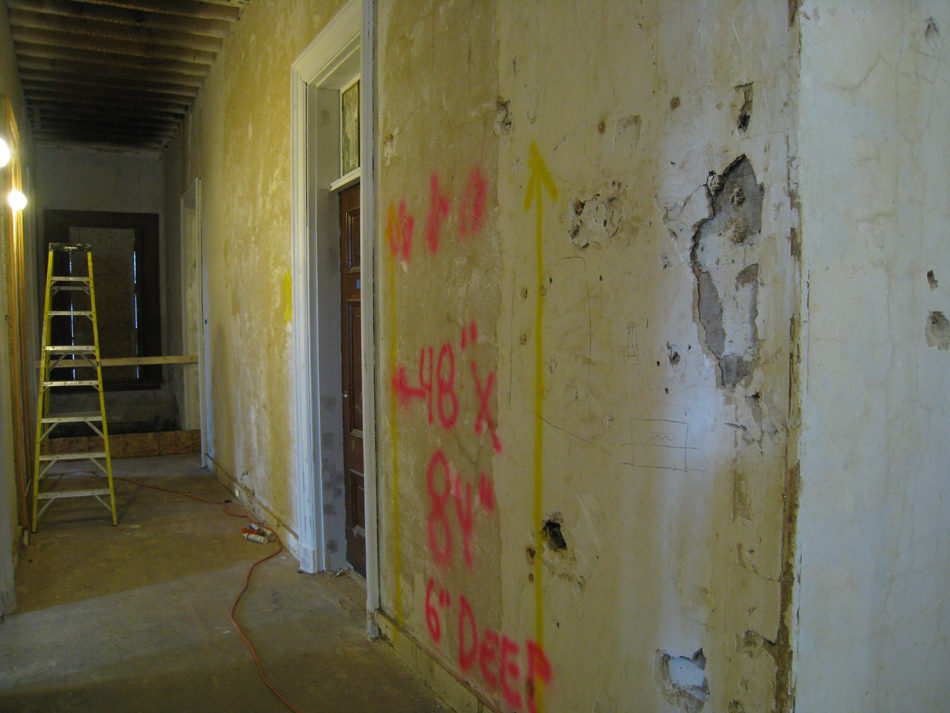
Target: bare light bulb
[(4, 153), (16, 200)]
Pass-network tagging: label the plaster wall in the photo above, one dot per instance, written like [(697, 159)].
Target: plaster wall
[(875, 189), (9, 526), (587, 286), (238, 143)]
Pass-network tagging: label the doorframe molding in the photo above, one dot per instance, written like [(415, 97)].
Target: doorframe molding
[(317, 75), (369, 303)]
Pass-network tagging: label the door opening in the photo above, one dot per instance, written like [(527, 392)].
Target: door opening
[(352, 377)]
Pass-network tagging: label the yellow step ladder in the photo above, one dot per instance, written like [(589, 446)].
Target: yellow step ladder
[(78, 297)]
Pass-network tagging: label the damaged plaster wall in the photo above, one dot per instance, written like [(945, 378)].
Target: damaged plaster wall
[(874, 524), (9, 516), (606, 471), (237, 140)]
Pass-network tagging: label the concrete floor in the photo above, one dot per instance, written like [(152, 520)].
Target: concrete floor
[(135, 618)]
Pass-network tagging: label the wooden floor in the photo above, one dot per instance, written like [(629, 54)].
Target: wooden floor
[(135, 617)]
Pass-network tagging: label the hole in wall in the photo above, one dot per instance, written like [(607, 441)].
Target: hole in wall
[(938, 331), (551, 532), (682, 680), (931, 280), (931, 32), (745, 110), (672, 353)]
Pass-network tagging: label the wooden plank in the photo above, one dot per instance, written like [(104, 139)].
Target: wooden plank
[(59, 57), (144, 361), (100, 142), (65, 115), (187, 8), (96, 28), (58, 70), (125, 16), (102, 130), (135, 87), (99, 112), (38, 94), (109, 46)]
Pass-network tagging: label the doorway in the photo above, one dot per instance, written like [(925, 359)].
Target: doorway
[(352, 352), (332, 517)]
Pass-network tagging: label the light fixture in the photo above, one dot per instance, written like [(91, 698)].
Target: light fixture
[(4, 153), (16, 200)]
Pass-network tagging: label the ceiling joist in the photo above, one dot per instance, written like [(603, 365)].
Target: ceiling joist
[(116, 73)]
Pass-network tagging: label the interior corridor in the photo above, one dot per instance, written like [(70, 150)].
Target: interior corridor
[(135, 618)]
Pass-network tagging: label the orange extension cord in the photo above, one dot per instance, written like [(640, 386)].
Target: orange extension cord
[(247, 579)]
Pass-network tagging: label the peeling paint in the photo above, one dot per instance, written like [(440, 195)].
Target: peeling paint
[(725, 262)]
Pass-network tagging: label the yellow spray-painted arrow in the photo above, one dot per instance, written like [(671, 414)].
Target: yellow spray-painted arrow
[(539, 183)]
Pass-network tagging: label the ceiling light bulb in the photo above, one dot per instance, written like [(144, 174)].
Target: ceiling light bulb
[(4, 153), (16, 200)]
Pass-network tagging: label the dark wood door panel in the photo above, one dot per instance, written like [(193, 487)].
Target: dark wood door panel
[(352, 377)]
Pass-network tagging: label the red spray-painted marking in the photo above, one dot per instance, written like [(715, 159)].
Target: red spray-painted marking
[(446, 387), (405, 392), (486, 493), (463, 506), (438, 212), (438, 518), (539, 669), (510, 672), (499, 658), (467, 656), (399, 231), (484, 408), (433, 620), (472, 205)]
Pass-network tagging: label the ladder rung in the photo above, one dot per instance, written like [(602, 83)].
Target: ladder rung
[(78, 417), (68, 313), (65, 278), (72, 349), (68, 288), (47, 384), (54, 494), (53, 458)]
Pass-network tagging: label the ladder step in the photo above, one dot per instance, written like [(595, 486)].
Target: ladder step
[(94, 382), (70, 313), (53, 458), (77, 417), (55, 494), (72, 349), (70, 247), (65, 278)]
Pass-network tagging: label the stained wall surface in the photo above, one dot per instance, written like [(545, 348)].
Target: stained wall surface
[(588, 285), (237, 141), (9, 530), (874, 527)]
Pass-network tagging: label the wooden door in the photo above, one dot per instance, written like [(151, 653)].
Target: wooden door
[(352, 377)]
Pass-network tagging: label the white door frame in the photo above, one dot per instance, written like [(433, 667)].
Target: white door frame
[(341, 51)]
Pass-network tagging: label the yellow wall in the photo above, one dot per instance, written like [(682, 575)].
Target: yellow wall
[(237, 141), (10, 88)]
